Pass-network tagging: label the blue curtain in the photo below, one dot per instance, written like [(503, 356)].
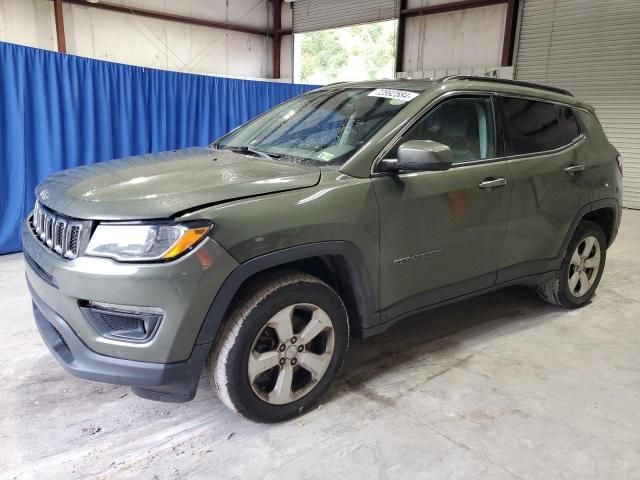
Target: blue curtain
[(59, 111)]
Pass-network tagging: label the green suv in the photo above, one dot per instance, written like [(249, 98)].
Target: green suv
[(333, 215)]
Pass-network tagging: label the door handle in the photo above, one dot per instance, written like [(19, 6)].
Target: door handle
[(490, 183), (575, 168)]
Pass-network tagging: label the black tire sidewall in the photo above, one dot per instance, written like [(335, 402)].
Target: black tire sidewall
[(240, 392), (584, 230)]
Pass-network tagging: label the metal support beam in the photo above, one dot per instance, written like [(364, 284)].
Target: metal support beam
[(509, 37), (402, 20), (448, 7), (277, 36), (171, 17), (57, 10)]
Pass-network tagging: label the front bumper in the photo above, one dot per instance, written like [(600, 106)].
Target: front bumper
[(167, 364), (176, 382)]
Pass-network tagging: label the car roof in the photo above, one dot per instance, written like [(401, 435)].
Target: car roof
[(471, 83), (417, 85)]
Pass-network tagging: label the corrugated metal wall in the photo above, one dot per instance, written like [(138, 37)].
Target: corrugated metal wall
[(591, 48), (309, 15)]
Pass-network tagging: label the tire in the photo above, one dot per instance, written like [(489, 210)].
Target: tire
[(251, 342), (563, 289)]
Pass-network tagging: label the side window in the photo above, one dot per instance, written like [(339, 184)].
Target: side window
[(463, 124), (530, 126), (569, 124)]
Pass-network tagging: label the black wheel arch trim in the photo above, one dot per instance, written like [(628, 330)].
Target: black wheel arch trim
[(359, 277), (612, 203), (590, 207)]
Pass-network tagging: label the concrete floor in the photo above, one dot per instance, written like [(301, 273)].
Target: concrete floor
[(500, 387)]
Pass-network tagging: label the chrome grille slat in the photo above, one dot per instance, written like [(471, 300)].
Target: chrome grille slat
[(48, 230), (74, 241), (42, 222), (67, 236), (62, 235), (35, 221)]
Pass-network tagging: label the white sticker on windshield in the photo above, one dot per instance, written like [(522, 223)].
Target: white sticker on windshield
[(401, 95), (325, 156)]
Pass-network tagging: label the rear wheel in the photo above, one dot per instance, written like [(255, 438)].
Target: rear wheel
[(282, 347), (581, 269)]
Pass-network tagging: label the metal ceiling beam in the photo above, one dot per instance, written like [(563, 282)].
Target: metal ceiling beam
[(57, 11), (448, 7), (174, 18)]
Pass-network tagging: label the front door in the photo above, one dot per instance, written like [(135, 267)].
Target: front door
[(441, 233)]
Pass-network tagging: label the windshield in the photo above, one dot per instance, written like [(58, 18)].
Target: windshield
[(323, 127)]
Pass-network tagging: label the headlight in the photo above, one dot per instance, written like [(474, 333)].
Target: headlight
[(139, 242)]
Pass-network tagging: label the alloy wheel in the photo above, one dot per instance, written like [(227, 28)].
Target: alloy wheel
[(291, 353), (584, 266)]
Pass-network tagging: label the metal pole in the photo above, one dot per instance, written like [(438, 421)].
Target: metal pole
[(57, 10), (509, 33), (277, 36), (400, 39)]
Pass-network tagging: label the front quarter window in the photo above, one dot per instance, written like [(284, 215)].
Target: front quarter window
[(324, 127)]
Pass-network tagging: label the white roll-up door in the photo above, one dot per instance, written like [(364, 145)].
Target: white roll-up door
[(592, 48), (309, 15)]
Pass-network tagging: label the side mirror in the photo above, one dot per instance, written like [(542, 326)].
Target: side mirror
[(422, 155)]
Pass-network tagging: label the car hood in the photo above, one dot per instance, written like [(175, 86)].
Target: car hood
[(162, 184)]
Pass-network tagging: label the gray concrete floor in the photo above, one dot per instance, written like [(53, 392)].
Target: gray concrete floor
[(499, 387)]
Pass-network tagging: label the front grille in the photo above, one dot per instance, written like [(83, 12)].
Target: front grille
[(63, 235)]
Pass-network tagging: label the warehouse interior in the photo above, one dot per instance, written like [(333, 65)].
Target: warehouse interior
[(500, 385)]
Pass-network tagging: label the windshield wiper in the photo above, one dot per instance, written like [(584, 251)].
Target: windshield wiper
[(246, 150)]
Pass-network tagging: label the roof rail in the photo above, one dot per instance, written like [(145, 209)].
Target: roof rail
[(506, 82)]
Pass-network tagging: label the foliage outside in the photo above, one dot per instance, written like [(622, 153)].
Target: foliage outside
[(361, 52)]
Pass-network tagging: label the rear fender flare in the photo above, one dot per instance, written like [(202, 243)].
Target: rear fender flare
[(598, 204)]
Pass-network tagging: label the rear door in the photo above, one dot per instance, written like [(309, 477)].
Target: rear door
[(541, 141)]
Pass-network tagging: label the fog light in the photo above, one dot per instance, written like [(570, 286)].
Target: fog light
[(122, 322)]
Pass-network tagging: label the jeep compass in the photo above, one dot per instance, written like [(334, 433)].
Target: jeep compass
[(331, 216)]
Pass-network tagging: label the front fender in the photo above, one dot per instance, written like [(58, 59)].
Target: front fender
[(356, 271)]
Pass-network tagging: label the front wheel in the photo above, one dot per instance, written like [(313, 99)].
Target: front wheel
[(576, 281), (282, 347)]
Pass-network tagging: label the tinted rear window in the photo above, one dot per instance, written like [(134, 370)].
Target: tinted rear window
[(569, 123), (530, 126)]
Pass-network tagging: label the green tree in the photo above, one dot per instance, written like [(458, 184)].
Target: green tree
[(322, 52), (333, 55)]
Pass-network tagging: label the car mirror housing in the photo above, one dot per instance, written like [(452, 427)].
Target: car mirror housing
[(423, 155)]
